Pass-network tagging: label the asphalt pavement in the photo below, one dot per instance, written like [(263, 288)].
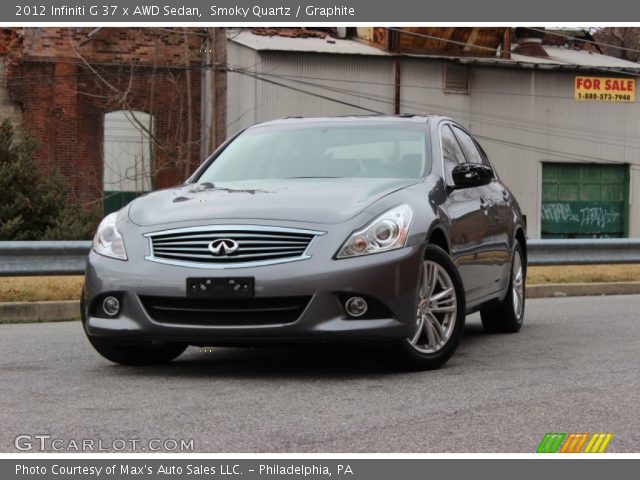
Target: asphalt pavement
[(574, 367)]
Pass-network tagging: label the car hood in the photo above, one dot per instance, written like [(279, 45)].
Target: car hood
[(327, 201)]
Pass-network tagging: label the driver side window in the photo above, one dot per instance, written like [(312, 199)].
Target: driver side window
[(469, 147), (451, 152)]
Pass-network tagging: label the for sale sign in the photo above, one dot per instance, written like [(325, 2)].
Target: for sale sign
[(602, 89)]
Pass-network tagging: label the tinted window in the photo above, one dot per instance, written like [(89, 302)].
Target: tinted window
[(469, 147), (451, 153), (337, 149)]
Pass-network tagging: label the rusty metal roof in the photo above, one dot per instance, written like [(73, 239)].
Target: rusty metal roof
[(559, 57)]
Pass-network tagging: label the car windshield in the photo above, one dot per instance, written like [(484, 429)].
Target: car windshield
[(328, 150)]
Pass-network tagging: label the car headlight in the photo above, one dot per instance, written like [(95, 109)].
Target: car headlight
[(387, 232), (107, 240)]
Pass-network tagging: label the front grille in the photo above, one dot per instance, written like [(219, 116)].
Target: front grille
[(242, 312), (255, 245)]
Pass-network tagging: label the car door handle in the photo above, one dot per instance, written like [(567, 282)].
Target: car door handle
[(484, 203), (505, 194)]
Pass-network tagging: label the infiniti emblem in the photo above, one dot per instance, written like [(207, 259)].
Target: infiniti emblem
[(223, 246)]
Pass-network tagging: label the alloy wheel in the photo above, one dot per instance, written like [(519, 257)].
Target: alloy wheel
[(517, 285), (437, 310)]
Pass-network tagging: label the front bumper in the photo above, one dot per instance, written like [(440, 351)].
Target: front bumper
[(390, 278)]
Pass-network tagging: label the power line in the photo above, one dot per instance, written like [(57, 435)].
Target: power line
[(522, 146), (480, 117), (144, 69), (495, 50), (557, 153), (442, 39), (548, 151), (585, 40), (324, 97)]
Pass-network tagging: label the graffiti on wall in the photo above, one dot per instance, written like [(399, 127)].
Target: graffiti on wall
[(597, 216), (590, 218)]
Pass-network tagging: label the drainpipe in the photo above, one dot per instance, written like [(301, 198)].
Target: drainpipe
[(396, 67)]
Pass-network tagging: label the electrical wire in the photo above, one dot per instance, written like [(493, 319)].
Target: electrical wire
[(585, 40), (481, 117), (477, 116), (445, 109), (518, 145), (495, 50)]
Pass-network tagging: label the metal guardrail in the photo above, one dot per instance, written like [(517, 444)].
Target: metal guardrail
[(43, 258), (599, 251), (69, 257)]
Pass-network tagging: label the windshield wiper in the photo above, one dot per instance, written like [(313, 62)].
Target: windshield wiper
[(289, 178)]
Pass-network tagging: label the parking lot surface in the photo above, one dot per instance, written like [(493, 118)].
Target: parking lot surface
[(572, 368)]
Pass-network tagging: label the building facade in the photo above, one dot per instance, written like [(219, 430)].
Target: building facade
[(116, 110), (120, 111), (574, 165)]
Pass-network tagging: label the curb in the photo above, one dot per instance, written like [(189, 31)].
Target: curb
[(33, 312), (58, 311), (582, 289)]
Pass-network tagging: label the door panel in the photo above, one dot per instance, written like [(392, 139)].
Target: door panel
[(468, 212), (500, 231), (469, 216), (495, 244)]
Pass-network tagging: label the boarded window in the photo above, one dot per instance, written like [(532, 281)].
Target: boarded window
[(456, 78), (127, 157)]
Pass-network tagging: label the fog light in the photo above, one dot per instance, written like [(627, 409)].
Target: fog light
[(111, 306), (356, 306)]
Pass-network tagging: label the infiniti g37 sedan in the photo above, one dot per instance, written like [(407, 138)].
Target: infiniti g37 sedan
[(386, 229)]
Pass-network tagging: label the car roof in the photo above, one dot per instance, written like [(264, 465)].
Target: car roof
[(401, 118)]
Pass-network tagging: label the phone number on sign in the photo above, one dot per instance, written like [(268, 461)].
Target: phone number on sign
[(619, 97)]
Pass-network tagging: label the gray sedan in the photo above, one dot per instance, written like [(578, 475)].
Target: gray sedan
[(386, 229)]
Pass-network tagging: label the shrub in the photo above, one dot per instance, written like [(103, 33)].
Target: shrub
[(33, 206)]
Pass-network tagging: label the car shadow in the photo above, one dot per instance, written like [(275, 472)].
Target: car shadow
[(304, 361), (328, 361)]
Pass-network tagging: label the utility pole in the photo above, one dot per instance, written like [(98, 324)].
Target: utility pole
[(218, 41), (213, 109), (206, 82)]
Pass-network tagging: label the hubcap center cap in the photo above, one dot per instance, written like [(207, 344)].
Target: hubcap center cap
[(425, 306)]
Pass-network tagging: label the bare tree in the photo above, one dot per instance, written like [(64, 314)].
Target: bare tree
[(621, 42), (174, 150)]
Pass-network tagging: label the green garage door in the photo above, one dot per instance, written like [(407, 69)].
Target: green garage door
[(584, 200)]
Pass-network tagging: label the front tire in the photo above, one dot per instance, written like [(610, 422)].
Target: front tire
[(132, 353), (508, 315), (137, 354), (440, 314)]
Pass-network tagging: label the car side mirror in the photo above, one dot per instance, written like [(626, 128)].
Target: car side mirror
[(471, 175)]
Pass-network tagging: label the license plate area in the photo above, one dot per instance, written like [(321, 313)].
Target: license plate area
[(227, 287)]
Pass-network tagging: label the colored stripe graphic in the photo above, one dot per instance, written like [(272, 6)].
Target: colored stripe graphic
[(550, 443), (598, 443), (574, 442)]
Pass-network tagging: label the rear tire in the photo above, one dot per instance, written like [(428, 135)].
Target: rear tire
[(441, 313), (508, 315)]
